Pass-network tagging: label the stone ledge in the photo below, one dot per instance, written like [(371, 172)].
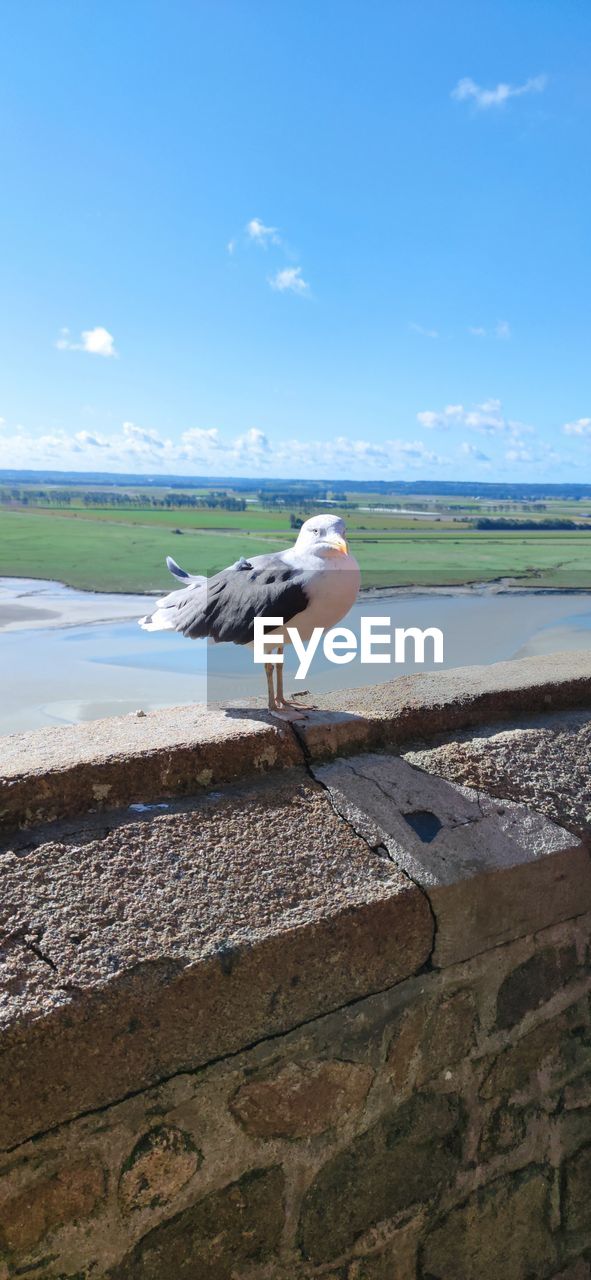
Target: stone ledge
[(49, 774), (421, 706), (166, 942), (493, 870)]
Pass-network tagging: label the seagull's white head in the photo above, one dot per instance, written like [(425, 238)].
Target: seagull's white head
[(324, 535)]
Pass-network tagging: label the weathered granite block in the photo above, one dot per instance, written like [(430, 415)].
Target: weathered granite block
[(577, 1191), (534, 982), (299, 1101), (160, 1164), (240, 1225), (429, 1037), (548, 1057), (505, 1128), (501, 1231), (65, 1195), (492, 870), (164, 943), (230, 1052), (407, 1157)]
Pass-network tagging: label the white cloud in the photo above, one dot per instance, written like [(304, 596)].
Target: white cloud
[(477, 331), (201, 435), (487, 418), (91, 440), (425, 333), (231, 246), (141, 439), (257, 231), (503, 329), (289, 280), (468, 450), (582, 427), (254, 452), (96, 342), (252, 444), (468, 90), (204, 451), (520, 455)]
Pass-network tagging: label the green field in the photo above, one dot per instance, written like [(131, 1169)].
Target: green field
[(125, 550)]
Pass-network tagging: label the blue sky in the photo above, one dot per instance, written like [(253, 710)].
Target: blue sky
[(312, 239)]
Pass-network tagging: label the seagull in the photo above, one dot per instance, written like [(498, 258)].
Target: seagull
[(312, 584)]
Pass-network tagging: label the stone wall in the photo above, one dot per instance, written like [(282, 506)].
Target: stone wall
[(440, 1129), (334, 1022)]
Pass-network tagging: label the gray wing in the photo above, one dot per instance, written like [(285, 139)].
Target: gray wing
[(224, 608)]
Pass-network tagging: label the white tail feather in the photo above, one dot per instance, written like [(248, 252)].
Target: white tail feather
[(161, 620)]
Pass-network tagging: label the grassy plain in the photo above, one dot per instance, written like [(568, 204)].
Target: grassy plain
[(121, 550)]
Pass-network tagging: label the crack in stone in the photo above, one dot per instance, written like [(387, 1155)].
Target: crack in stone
[(32, 946), (376, 849), (203, 1066)]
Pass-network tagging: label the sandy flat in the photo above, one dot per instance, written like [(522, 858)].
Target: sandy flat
[(21, 613), (28, 603)]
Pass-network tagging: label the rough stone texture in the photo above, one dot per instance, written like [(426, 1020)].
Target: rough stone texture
[(579, 1270), (533, 983), (398, 1261), (549, 1056), (578, 1095), (577, 1197), (430, 1037), (418, 707), (178, 1160), (390, 1118), (505, 1128), (501, 1231), (70, 1193), (300, 1101), (542, 761), (54, 773), (408, 1156), (239, 1225), (170, 941), (159, 1166), (492, 870)]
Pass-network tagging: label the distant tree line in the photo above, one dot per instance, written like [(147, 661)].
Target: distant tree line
[(549, 522), (122, 501)]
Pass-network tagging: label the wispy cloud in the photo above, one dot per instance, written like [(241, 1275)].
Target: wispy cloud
[(582, 427), (96, 342), (469, 450), (501, 330), (90, 440), (257, 231), (487, 418), (467, 90), (289, 280), (520, 455), (425, 333)]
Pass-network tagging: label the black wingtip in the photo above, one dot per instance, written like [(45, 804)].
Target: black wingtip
[(175, 568)]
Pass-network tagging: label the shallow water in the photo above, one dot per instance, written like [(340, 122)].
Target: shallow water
[(67, 656)]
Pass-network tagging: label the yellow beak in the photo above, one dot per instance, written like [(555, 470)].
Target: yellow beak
[(339, 544)]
